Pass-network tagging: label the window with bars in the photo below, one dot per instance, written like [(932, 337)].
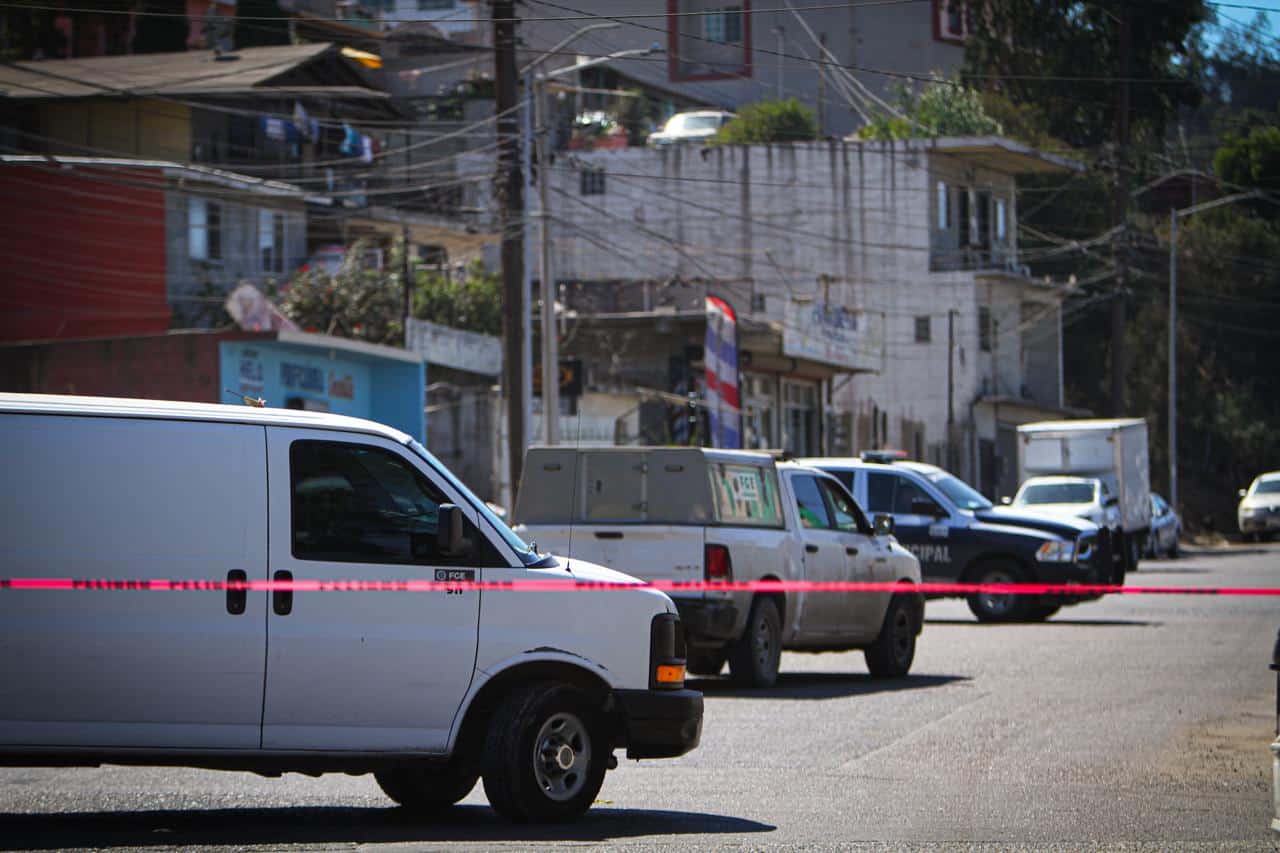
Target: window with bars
[(204, 229), (724, 26), (271, 240), (924, 334), (591, 182)]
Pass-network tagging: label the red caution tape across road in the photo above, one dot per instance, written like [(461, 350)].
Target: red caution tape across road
[(568, 584)]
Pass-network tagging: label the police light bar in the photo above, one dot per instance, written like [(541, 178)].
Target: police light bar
[(883, 456)]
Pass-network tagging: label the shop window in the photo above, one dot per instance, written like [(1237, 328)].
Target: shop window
[(204, 229), (591, 182), (923, 333), (984, 329), (708, 40)]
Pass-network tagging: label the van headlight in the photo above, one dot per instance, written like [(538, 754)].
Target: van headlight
[(1060, 551)]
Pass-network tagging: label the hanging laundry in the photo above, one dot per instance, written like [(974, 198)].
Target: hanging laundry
[(367, 144), (302, 121), (273, 128), (352, 142)]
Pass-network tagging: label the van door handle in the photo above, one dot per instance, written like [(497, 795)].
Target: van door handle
[(608, 534), (236, 598), (851, 551), (282, 599), (811, 549)]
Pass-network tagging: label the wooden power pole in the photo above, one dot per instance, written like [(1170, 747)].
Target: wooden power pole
[(1120, 214), (510, 185)]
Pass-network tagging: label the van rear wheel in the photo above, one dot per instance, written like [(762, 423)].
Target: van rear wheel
[(755, 657), (545, 755), (426, 789)]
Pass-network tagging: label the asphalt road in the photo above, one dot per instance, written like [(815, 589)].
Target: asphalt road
[(1138, 721)]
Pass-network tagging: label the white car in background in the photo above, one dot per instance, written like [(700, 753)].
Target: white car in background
[(698, 126), (1259, 511), (1079, 497)]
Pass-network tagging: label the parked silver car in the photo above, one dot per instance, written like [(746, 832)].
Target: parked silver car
[(1259, 512), (1166, 529)]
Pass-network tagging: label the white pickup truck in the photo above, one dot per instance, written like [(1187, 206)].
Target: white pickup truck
[(695, 514)]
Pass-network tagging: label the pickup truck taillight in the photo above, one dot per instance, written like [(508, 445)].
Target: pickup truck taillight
[(716, 564)]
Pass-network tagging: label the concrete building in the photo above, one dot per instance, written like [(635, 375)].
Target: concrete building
[(726, 53), (100, 247), (879, 290)]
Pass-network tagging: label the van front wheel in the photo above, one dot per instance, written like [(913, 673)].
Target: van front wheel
[(545, 755), (426, 789)]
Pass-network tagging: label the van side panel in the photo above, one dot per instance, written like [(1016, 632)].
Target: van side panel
[(122, 498)]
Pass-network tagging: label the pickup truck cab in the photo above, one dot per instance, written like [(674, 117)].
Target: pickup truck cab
[(697, 514), (960, 537), (428, 690)]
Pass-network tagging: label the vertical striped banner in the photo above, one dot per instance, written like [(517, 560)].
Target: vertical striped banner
[(720, 355)]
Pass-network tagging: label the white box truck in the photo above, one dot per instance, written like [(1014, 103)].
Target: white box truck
[(1109, 457)]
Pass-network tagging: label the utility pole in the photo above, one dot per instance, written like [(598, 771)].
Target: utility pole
[(951, 387), (822, 89), (408, 282), (1120, 214), (1173, 360), (510, 186), (550, 339), (778, 31)]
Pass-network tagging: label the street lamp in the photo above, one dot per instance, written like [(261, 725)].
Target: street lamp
[(550, 343), (1174, 216)]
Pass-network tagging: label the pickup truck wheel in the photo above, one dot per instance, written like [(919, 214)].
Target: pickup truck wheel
[(995, 607), (754, 659), (426, 790), (706, 663), (890, 656), (545, 755)]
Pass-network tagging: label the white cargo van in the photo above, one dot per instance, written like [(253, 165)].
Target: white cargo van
[(428, 690), (697, 514)]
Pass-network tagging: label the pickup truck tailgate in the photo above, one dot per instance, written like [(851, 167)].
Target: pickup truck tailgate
[(648, 551)]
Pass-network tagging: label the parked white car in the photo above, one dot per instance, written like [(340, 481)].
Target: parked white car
[(1259, 511), (696, 514), (1075, 497), (429, 691), (696, 126)]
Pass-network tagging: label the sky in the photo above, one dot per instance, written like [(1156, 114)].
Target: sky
[(1241, 17)]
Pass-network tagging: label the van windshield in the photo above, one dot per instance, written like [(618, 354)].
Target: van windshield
[(526, 554)]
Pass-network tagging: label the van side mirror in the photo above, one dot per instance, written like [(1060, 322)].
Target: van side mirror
[(882, 524), (449, 538), (1242, 492)]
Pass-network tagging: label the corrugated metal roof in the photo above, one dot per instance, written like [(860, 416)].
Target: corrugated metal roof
[(195, 72)]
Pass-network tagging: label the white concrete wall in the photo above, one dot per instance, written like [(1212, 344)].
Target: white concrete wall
[(848, 221)]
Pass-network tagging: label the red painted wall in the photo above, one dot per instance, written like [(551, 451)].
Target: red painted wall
[(82, 252), (174, 366)]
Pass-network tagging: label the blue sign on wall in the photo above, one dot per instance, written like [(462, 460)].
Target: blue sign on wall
[(317, 378)]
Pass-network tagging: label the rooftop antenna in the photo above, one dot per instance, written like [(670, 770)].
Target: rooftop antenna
[(255, 402)]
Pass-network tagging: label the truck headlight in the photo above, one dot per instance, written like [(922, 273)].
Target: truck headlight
[(1057, 552)]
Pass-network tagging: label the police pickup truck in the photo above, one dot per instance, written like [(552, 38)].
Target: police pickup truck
[(959, 536)]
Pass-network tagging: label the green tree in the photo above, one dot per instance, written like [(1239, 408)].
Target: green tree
[(942, 108), (1066, 58), (1251, 160), (770, 121), (369, 304)]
